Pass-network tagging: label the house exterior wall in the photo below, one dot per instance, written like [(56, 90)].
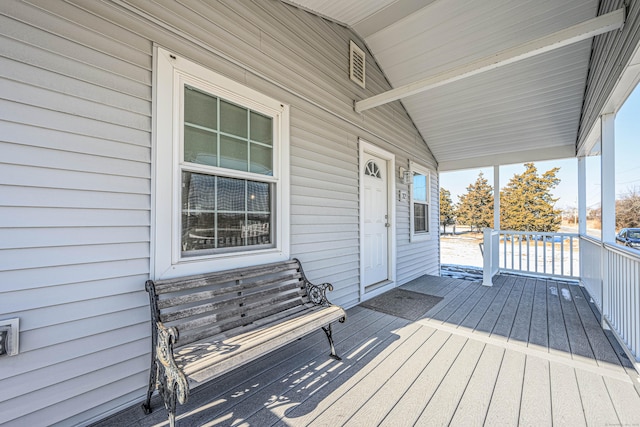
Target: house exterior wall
[(76, 137), (610, 54)]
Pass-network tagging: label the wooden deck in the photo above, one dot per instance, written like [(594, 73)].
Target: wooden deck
[(524, 352)]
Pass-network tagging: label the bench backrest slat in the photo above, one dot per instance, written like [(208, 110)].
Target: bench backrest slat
[(211, 304), (223, 277), (192, 335), (234, 309), (253, 286)]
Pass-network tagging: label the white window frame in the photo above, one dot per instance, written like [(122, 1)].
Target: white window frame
[(171, 72), (422, 170)]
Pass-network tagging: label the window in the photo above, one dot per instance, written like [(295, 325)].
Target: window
[(420, 195), (221, 175)]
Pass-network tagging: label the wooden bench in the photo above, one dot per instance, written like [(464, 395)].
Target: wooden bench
[(206, 325)]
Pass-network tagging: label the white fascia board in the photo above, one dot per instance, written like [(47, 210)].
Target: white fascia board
[(582, 31)]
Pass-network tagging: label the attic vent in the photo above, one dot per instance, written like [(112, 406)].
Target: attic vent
[(357, 62)]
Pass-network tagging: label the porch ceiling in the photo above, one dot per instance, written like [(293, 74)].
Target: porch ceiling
[(526, 111)]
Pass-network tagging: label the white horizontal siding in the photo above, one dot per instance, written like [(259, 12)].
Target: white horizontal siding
[(75, 210), (75, 177)]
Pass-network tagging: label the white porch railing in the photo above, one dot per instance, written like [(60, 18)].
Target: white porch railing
[(547, 254), (611, 275), (621, 294), (591, 268), (491, 258)]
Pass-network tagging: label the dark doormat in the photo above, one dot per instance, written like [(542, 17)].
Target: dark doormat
[(402, 303)]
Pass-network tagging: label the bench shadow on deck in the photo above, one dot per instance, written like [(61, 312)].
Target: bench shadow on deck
[(523, 352)]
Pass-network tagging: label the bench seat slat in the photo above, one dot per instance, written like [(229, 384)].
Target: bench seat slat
[(210, 279), (200, 364)]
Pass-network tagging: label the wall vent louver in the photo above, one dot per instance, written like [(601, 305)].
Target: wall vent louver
[(357, 63)]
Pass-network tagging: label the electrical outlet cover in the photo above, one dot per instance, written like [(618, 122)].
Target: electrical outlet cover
[(11, 342)]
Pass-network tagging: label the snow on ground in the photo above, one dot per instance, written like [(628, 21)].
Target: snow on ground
[(464, 250), (461, 249)]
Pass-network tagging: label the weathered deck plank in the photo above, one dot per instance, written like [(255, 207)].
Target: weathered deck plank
[(412, 403), (502, 328), (522, 321), (504, 408), (535, 407), (566, 404), (580, 347), (596, 401), (373, 411), (475, 401), (444, 402), (539, 330), (558, 339), (479, 357)]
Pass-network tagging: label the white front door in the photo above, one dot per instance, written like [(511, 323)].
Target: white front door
[(376, 220)]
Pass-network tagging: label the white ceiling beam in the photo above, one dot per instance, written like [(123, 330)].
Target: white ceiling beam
[(582, 31)]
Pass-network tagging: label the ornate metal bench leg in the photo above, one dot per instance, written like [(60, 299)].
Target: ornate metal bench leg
[(329, 333), (153, 376)]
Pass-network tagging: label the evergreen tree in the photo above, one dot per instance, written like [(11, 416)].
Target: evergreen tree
[(526, 203), (475, 207), (447, 212)]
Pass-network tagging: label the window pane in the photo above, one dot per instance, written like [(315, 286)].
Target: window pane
[(230, 228), (261, 160), (233, 153), (231, 194), (200, 108), (200, 146), (233, 119), (258, 229), (261, 128), (259, 199), (420, 187), (419, 218), (198, 207)]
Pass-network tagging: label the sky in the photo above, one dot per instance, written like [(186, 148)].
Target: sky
[(627, 153)]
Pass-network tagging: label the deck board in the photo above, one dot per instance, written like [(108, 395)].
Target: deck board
[(539, 330), (504, 323), (444, 402), (522, 321), (566, 404), (535, 406), (504, 408), (474, 404), (578, 342), (523, 352), (410, 407), (558, 339)]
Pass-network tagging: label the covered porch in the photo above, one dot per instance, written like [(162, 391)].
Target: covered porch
[(525, 351)]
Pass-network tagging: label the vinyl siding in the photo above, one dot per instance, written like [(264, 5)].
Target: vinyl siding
[(610, 54), (75, 177)]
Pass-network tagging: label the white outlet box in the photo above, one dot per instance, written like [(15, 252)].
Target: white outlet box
[(12, 326)]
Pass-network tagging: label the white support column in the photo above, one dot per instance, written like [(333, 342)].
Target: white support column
[(608, 200), (496, 197), (582, 196), (608, 181)]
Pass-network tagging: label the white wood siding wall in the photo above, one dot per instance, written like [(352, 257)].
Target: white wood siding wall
[(610, 53), (75, 171)]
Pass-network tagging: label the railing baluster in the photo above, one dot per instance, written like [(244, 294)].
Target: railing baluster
[(513, 266), (561, 255), (528, 244)]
